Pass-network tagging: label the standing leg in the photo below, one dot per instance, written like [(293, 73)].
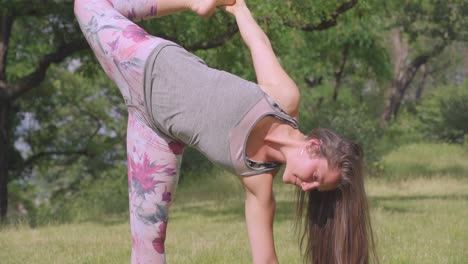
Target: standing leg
[(153, 165)]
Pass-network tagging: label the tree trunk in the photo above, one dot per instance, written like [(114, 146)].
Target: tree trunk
[(394, 102), (400, 54), (339, 72), (422, 83), (6, 22), (405, 72), (4, 148)]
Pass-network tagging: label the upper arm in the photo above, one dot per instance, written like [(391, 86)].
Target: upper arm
[(273, 79), (260, 186)]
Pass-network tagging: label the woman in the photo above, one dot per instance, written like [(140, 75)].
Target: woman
[(249, 129)]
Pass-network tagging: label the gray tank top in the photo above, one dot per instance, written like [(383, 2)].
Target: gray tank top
[(208, 109)]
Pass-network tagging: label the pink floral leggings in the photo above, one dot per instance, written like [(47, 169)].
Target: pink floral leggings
[(153, 162)]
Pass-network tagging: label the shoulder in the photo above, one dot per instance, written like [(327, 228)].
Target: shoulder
[(287, 97)]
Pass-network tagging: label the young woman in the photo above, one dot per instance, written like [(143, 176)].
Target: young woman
[(174, 99)]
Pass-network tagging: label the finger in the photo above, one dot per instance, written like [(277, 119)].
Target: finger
[(308, 186), (298, 182)]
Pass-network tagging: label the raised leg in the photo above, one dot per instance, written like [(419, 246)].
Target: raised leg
[(136, 10), (203, 8), (153, 165), (120, 45)]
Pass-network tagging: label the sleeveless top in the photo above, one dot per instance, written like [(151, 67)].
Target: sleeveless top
[(208, 109)]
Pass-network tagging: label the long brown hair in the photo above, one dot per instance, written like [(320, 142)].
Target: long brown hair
[(335, 225)]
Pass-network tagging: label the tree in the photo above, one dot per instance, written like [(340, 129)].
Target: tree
[(422, 30), (53, 22)]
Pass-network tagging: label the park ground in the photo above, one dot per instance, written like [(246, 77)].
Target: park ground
[(419, 208)]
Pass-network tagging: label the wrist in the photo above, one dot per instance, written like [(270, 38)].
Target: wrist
[(241, 10)]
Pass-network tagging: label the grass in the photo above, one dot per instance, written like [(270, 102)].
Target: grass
[(417, 219), (421, 220), (427, 160)]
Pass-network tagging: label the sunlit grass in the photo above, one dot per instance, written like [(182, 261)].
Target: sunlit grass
[(427, 160), (416, 219), (421, 220), (70, 243)]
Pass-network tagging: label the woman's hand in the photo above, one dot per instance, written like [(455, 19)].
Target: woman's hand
[(206, 8)]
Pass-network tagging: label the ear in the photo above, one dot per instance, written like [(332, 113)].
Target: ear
[(314, 142), (308, 186), (313, 146)]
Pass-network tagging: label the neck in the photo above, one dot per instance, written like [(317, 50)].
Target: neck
[(283, 138)]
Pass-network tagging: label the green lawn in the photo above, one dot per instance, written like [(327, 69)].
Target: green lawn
[(417, 219)]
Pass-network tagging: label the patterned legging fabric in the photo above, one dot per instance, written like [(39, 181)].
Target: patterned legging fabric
[(122, 48)]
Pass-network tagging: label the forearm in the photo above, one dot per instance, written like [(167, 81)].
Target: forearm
[(259, 217), (270, 74), (249, 29)]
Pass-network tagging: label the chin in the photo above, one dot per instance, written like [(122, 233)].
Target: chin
[(288, 178)]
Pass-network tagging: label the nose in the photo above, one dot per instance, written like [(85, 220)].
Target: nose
[(315, 178)]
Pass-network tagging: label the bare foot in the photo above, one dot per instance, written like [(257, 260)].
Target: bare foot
[(206, 8)]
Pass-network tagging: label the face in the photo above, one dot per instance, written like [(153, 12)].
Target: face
[(311, 172)]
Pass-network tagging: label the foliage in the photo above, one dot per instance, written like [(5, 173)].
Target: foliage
[(442, 115), (352, 119), (422, 30), (438, 20), (71, 135), (53, 24), (107, 196)]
